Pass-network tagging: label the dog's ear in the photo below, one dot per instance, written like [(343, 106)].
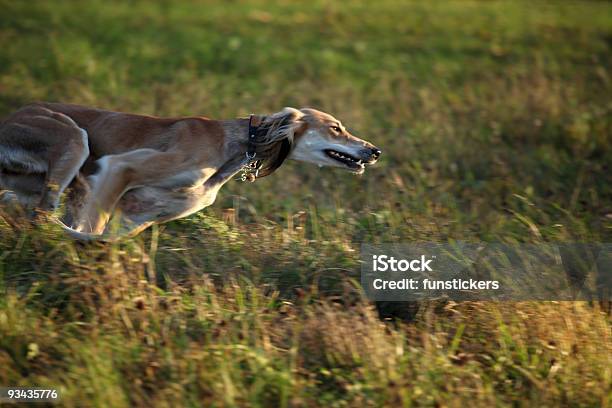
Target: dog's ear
[(280, 125), (291, 114), (295, 119), (281, 152), (300, 126), (276, 139)]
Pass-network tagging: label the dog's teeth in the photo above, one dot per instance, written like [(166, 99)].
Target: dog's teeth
[(344, 157)]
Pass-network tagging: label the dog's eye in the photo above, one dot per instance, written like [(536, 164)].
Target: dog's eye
[(335, 129)]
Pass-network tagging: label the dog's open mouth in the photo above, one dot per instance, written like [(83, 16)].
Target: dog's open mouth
[(351, 162)]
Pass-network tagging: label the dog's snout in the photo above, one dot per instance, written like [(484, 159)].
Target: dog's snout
[(370, 154)]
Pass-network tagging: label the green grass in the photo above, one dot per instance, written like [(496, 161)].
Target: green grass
[(494, 119)]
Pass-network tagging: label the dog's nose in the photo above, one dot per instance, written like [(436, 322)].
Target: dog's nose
[(375, 153)]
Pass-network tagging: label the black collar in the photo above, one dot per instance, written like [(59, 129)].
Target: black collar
[(251, 146), (251, 169)]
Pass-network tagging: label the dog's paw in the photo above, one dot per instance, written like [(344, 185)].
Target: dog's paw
[(49, 202), (8, 199)]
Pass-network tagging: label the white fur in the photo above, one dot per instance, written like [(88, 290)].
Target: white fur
[(311, 147)]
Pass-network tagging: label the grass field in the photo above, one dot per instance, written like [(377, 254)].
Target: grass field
[(495, 121)]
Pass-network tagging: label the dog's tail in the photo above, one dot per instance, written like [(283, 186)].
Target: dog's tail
[(81, 236), (105, 237), (86, 236)]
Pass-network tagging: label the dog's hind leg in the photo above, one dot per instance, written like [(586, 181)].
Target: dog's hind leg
[(20, 190), (65, 160), (8, 199), (28, 184), (65, 166), (36, 140), (16, 205)]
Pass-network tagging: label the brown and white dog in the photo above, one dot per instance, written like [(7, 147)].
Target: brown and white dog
[(134, 171)]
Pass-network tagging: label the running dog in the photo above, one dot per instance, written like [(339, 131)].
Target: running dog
[(134, 170)]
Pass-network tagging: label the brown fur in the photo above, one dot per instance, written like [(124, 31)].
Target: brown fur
[(143, 169)]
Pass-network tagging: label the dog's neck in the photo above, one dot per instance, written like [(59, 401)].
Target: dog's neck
[(264, 141), (237, 134)]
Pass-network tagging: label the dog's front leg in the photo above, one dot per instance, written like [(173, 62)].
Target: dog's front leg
[(118, 174)]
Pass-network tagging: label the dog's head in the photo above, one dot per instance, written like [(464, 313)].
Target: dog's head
[(322, 139), (312, 136)]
